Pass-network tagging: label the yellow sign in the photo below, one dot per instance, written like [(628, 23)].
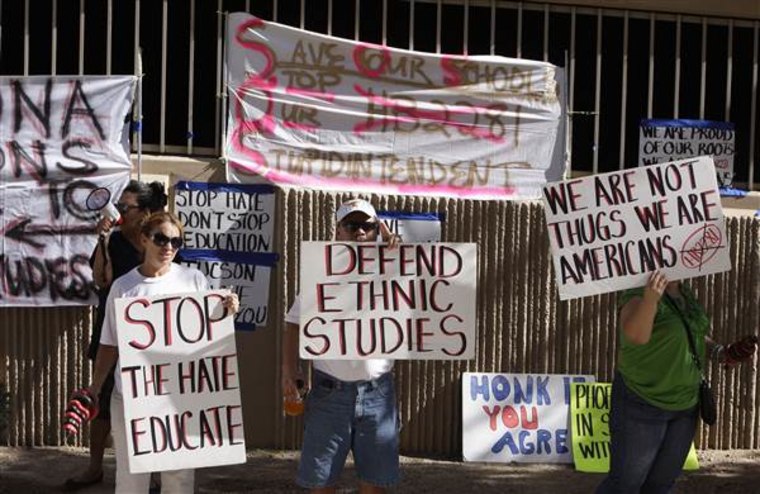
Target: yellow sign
[(590, 431)]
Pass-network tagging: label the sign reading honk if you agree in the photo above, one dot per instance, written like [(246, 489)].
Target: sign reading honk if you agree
[(610, 231)]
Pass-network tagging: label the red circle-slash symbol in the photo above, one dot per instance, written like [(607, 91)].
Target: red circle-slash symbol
[(701, 246)]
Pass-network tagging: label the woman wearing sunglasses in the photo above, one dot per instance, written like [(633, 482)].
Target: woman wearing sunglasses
[(118, 251), (160, 239)]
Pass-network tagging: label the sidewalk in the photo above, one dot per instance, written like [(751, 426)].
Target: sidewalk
[(42, 470)]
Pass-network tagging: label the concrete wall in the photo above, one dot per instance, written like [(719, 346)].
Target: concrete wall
[(522, 326)]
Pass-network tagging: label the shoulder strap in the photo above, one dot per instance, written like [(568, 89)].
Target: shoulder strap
[(689, 334)]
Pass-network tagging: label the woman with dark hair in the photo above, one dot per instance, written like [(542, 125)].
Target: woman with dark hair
[(160, 238), (118, 251)]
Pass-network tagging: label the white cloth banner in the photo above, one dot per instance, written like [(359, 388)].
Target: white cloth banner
[(523, 418), (316, 111), (180, 382), (62, 159), (610, 231), (365, 301)]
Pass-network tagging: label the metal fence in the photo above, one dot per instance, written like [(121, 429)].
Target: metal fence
[(626, 65)]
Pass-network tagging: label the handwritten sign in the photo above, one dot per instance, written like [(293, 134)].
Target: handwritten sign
[(228, 237), (180, 382), (315, 111), (364, 300), (62, 159), (517, 417), (670, 140), (412, 227), (610, 231), (590, 422)]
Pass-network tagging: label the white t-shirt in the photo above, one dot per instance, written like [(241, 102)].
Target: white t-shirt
[(178, 279), (344, 370)]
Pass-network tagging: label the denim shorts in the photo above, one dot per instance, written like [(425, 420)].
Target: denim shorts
[(346, 416)]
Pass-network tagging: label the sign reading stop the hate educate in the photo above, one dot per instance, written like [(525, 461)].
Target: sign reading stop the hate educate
[(610, 231), (364, 300), (180, 378)]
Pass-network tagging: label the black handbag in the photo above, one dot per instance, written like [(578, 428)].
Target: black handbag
[(707, 408)]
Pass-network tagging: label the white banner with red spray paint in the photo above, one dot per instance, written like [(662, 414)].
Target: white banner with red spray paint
[(327, 113), (63, 158)]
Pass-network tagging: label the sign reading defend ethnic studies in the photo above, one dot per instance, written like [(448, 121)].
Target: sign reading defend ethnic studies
[(364, 300), (517, 417), (180, 382), (610, 231)]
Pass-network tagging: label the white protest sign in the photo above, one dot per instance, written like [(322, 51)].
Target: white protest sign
[(249, 281), (310, 110), (228, 237), (235, 218), (521, 418), (62, 160), (181, 385), (661, 141), (412, 227), (610, 231), (364, 300)]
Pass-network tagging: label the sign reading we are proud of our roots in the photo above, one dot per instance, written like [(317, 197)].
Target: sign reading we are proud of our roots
[(180, 382), (364, 300), (610, 231), (517, 417), (661, 141), (317, 111)]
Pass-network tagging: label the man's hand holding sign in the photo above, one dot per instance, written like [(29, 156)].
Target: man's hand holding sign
[(362, 305)]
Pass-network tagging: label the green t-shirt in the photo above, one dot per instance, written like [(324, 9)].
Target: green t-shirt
[(662, 371)]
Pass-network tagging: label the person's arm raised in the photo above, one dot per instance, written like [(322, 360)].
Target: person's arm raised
[(637, 315)]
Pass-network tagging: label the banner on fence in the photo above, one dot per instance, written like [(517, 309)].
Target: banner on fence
[(316, 111), (661, 141), (517, 417), (590, 424), (364, 300), (181, 385), (610, 231), (228, 237), (63, 158)]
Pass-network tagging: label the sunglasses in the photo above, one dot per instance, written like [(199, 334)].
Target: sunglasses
[(123, 208), (161, 240), (354, 226)]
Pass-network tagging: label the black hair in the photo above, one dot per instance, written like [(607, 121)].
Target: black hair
[(151, 197)]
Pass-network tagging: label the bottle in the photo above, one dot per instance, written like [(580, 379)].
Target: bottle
[(294, 407)]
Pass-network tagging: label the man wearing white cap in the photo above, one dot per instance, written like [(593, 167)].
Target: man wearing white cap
[(352, 403)]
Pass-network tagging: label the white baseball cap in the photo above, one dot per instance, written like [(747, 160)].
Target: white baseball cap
[(353, 206)]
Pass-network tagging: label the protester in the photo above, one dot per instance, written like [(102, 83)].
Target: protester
[(117, 252), (160, 238), (352, 403), (655, 392)]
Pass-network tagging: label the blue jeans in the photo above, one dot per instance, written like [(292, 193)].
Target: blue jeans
[(648, 444), (346, 416)]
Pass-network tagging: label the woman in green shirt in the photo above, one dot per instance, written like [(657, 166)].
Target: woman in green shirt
[(654, 395)]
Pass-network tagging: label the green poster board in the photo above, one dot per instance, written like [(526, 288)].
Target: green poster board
[(590, 432)]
